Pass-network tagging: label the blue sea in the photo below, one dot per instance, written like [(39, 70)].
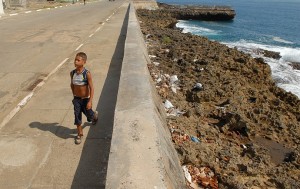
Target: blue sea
[(259, 24)]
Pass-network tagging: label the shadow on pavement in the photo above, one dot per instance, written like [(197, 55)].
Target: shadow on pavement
[(55, 128), (58, 130), (92, 169)]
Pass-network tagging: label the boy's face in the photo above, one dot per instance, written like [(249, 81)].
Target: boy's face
[(79, 62)]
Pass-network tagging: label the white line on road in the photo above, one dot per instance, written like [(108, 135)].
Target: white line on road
[(25, 100), (98, 28), (16, 109), (78, 47), (28, 12), (28, 97), (39, 10), (91, 35), (14, 14)]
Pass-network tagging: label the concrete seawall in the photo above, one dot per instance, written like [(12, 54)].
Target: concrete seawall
[(142, 154)]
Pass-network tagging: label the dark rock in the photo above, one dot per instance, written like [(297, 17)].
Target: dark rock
[(272, 54), (289, 157), (252, 99), (295, 65), (242, 168), (260, 60), (249, 150), (267, 53)]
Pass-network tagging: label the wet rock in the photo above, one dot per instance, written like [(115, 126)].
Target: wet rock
[(272, 54), (295, 65)]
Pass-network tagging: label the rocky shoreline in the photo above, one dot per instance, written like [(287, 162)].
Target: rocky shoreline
[(231, 125), (208, 13)]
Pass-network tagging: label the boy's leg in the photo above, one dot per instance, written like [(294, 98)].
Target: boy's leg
[(78, 118), (79, 134), (77, 111), (79, 130)]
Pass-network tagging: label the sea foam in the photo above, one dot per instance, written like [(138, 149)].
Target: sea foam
[(284, 75), (190, 28), (278, 39)]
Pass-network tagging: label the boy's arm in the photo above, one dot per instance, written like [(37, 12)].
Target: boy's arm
[(91, 88), (72, 85)]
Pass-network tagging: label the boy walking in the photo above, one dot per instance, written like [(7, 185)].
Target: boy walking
[(83, 92)]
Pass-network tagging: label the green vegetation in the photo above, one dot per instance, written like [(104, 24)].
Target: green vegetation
[(166, 40)]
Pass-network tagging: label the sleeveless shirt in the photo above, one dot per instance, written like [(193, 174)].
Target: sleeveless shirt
[(81, 78)]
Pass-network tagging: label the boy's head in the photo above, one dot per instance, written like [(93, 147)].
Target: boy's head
[(80, 59)]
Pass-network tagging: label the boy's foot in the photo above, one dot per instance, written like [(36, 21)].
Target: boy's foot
[(78, 139), (95, 119)]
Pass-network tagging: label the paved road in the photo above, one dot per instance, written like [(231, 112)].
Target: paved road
[(37, 147)]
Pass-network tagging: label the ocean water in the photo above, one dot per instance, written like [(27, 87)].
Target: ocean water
[(265, 24)]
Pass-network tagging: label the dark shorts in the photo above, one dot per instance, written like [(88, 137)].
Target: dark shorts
[(79, 108)]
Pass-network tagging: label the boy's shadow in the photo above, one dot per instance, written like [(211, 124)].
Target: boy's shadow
[(56, 129)]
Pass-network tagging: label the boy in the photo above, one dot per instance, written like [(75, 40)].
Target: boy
[(83, 91)]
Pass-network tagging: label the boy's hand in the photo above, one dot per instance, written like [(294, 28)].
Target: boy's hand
[(89, 105)]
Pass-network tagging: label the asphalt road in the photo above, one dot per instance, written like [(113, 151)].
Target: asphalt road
[(37, 147)]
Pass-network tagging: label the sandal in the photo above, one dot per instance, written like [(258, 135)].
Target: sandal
[(78, 139)]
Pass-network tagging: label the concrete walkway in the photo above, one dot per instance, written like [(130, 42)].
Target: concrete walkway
[(37, 147)]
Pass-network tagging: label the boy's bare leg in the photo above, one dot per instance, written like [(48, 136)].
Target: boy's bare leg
[(79, 130), (80, 134)]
